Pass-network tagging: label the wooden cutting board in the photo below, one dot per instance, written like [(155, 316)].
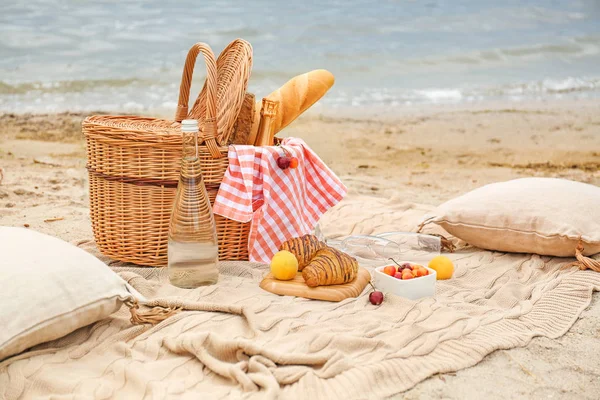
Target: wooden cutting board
[(297, 287)]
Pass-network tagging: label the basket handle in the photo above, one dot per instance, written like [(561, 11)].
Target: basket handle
[(209, 127)]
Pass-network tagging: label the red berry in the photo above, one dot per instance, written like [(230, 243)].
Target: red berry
[(293, 162), (376, 298), (283, 162), (398, 275)]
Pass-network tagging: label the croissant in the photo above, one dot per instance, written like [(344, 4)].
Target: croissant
[(330, 267), (304, 248)]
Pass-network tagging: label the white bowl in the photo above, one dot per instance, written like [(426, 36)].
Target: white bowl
[(416, 288)]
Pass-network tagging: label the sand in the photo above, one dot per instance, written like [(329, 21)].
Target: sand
[(425, 155)]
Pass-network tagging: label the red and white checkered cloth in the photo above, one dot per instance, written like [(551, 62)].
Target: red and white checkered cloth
[(281, 203)]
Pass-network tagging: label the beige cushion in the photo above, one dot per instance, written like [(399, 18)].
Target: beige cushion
[(530, 215), (50, 288)]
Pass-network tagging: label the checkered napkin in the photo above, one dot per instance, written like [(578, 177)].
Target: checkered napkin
[(281, 204)]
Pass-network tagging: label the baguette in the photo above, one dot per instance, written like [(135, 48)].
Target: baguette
[(295, 97), (303, 248), (330, 267)]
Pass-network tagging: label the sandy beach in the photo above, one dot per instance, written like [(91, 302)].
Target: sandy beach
[(425, 156)]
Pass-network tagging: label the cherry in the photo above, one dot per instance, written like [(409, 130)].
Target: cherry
[(283, 162), (403, 266), (376, 298), (294, 162), (407, 275)]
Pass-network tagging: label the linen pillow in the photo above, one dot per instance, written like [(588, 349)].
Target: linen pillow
[(531, 215), (49, 288)]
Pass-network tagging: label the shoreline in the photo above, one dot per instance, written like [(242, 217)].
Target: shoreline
[(387, 113)]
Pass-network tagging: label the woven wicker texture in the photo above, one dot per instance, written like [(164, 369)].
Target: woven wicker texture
[(209, 117), (134, 163), (234, 66)]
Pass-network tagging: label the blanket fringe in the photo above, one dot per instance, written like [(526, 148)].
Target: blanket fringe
[(584, 262), (153, 316), (422, 224)]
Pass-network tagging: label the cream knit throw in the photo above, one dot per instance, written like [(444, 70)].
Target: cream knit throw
[(259, 345)]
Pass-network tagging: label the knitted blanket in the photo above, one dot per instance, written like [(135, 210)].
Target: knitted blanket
[(259, 345)]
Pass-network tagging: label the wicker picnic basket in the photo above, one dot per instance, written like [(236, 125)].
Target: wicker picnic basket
[(134, 162)]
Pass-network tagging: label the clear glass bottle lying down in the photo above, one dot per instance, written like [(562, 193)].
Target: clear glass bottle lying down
[(193, 247), (401, 246)]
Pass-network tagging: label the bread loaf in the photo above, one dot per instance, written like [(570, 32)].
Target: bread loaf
[(295, 97), (330, 267), (304, 248)]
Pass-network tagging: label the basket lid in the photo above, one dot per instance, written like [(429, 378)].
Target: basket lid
[(133, 128)]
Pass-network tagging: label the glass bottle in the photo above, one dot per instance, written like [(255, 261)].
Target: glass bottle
[(193, 247)]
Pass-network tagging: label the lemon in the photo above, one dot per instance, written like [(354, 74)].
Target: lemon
[(442, 266), (284, 265)]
